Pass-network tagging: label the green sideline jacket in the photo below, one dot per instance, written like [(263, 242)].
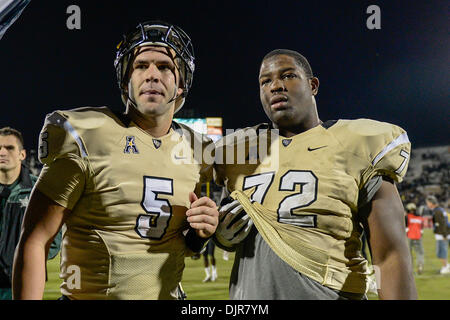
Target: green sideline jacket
[(12, 210)]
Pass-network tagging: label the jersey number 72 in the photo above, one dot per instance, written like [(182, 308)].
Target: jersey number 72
[(288, 182)]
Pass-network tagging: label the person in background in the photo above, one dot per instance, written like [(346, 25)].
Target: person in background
[(414, 232), (440, 229), (16, 183), (210, 269)]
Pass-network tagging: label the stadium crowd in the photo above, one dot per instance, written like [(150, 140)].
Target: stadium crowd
[(429, 173)]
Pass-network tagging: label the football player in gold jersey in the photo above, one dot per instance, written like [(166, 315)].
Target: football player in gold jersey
[(310, 188), (122, 185)]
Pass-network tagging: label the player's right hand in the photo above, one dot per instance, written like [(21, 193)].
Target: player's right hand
[(203, 215), (234, 224)]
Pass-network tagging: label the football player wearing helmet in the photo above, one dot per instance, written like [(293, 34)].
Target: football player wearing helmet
[(296, 221), (117, 186)]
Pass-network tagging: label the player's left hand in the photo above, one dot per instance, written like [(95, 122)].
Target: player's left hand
[(203, 215)]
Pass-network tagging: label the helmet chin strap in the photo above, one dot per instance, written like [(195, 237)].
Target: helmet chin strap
[(176, 88), (134, 104), (174, 96)]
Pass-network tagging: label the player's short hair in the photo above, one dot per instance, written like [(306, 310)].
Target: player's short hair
[(300, 59), (432, 199), (8, 131)]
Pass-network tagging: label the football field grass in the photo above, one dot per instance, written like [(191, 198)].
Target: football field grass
[(430, 284)]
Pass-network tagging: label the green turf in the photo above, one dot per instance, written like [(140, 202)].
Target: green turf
[(430, 284)]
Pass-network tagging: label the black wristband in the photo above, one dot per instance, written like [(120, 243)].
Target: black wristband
[(193, 241)]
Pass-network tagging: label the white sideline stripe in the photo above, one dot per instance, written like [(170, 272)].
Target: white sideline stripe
[(401, 139)]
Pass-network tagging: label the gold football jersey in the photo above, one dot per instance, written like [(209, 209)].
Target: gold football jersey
[(128, 193), (303, 192)]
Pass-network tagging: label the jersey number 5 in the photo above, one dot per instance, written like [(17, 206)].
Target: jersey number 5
[(288, 182), (153, 225)]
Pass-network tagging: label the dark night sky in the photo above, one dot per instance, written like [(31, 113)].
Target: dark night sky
[(399, 74)]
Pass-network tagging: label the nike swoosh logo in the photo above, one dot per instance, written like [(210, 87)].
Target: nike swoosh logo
[(312, 149), (180, 158)]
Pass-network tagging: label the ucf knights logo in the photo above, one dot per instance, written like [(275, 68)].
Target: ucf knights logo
[(130, 146)]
